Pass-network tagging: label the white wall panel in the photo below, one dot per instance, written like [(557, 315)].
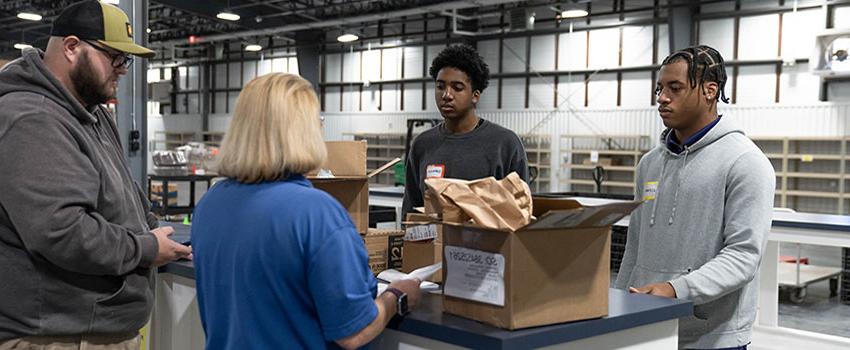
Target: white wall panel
[(350, 98), (759, 38), (194, 78), (391, 64), (280, 65), (602, 91), (719, 34), (235, 75), (221, 75), (799, 31), (841, 17), (413, 97), (543, 53), (371, 65), (220, 101), (249, 71), (663, 43), (413, 62), (293, 66), (369, 98), (571, 92), (390, 98), (153, 75), (433, 51), (332, 67), (489, 98), (636, 90), (572, 51), (430, 105), (541, 93), (513, 93), (489, 50), (637, 46), (756, 85), (797, 85), (332, 99), (604, 48), (264, 67), (513, 55), (232, 97), (351, 67)]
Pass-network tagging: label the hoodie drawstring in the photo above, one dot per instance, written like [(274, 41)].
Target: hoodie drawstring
[(675, 195)]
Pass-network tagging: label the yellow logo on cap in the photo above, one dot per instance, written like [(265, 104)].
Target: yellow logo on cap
[(129, 30)]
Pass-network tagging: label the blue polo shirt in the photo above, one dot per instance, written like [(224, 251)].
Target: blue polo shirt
[(279, 265)]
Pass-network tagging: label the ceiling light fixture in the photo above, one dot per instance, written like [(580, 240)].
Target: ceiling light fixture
[(21, 46), (227, 16), (113, 2), (29, 16), (574, 13), (253, 48), (347, 38)]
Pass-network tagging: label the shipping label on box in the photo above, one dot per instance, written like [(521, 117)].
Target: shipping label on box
[(420, 232), (475, 275)]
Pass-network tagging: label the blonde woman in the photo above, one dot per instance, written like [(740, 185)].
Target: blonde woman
[(278, 264)]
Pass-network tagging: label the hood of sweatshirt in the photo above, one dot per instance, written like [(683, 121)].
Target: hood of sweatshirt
[(722, 128), (29, 74)]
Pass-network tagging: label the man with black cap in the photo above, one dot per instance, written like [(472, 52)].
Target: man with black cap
[(78, 244)]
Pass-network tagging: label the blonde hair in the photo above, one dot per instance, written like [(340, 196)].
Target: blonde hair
[(275, 131)]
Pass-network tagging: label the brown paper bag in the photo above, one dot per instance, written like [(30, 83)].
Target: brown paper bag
[(496, 204)]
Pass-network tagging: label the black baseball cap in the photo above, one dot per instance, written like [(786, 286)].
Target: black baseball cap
[(104, 23)]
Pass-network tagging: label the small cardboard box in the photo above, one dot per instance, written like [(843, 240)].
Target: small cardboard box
[(384, 248), (350, 182), (423, 244), (555, 269)]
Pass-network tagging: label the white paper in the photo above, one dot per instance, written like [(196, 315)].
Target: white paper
[(420, 232), (594, 157), (475, 275), (392, 275)]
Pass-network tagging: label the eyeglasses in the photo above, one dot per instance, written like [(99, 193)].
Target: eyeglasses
[(118, 60)]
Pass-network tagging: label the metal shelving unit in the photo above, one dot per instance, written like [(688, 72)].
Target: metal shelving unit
[(617, 154)]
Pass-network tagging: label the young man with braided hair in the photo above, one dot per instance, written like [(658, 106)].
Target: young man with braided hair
[(463, 146), (708, 193)]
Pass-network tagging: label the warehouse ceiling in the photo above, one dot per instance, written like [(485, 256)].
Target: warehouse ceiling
[(172, 22)]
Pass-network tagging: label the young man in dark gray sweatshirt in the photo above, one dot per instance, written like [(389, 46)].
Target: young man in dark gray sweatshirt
[(708, 193), (78, 244), (463, 146)]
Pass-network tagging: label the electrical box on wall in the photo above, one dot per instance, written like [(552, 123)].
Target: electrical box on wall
[(829, 58), (159, 91)]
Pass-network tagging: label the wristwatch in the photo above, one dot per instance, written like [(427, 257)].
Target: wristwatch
[(401, 301)]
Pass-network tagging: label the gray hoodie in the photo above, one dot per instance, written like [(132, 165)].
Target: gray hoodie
[(75, 241), (703, 228)]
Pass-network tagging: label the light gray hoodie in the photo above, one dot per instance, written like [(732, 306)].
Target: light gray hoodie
[(703, 228), (75, 241)]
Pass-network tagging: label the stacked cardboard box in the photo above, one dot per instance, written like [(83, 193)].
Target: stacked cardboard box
[(350, 186), (423, 244)]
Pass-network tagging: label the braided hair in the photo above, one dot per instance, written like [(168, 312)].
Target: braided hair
[(704, 64), (465, 59)]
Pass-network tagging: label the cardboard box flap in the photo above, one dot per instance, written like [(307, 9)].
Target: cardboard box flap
[(584, 216), (345, 158), (384, 167)]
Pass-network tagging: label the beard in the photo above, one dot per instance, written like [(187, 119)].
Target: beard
[(84, 79)]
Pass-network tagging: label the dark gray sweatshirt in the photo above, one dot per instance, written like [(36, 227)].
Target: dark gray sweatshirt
[(488, 150), (75, 241)]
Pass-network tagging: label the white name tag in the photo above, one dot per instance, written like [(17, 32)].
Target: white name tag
[(435, 170), (650, 190), (420, 233), (475, 275)]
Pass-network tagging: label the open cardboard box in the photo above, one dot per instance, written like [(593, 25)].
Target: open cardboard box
[(555, 269), (423, 244), (384, 248), (350, 182)]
